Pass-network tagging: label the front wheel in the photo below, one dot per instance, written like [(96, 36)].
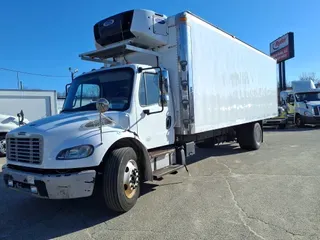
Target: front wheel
[(299, 121), (121, 184), (3, 145)]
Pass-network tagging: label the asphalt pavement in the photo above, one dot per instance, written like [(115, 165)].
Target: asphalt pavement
[(272, 193)]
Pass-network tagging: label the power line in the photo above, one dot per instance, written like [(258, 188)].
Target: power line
[(34, 74)]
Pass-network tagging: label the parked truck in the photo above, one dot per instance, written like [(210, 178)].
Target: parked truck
[(166, 84), (302, 103), (7, 124)]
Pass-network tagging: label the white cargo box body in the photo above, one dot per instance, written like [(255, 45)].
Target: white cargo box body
[(232, 82), (36, 104), (225, 82), (229, 82)]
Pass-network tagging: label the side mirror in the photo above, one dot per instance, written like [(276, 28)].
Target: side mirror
[(102, 105), (67, 88), (20, 117)]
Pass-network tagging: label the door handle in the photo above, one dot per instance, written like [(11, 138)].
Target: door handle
[(168, 122)]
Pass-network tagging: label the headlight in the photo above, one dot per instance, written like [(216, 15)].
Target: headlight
[(77, 152)]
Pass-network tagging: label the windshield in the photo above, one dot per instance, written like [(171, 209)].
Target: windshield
[(114, 85), (308, 96)]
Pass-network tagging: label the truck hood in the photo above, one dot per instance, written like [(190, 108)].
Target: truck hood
[(68, 123), (66, 130)]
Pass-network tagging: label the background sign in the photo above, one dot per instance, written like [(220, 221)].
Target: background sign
[(283, 48)]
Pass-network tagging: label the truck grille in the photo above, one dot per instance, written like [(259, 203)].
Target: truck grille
[(27, 150), (316, 111)]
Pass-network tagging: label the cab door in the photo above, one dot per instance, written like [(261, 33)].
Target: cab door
[(154, 109)]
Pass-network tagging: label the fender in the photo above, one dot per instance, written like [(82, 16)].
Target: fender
[(135, 143), (147, 164)]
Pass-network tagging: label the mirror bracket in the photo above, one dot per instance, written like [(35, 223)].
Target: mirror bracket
[(102, 106)]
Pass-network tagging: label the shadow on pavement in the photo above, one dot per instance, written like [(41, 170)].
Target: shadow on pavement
[(218, 150), (26, 217)]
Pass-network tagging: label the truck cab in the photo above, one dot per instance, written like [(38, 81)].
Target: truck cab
[(137, 100), (302, 103), (306, 105), (117, 122)]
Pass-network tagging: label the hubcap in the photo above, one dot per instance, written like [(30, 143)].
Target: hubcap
[(130, 179), (3, 146), (257, 133)]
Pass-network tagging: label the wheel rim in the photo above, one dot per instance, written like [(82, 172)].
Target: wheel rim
[(3, 146), (130, 179), (257, 133), (298, 121)]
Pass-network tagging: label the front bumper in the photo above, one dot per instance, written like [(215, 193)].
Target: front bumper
[(52, 186), (274, 121), (311, 120)]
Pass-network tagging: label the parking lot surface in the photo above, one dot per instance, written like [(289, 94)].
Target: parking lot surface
[(272, 193)]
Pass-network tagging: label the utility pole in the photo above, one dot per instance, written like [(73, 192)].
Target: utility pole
[(19, 83)]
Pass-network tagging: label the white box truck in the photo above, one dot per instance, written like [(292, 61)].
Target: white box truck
[(166, 85)]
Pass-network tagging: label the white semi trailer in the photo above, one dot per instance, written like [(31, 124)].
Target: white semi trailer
[(166, 85), (35, 104), (29, 104)]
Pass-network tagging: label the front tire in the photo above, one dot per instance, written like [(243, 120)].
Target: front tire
[(121, 187), (299, 122)]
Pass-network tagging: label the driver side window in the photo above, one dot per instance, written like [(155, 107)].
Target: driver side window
[(149, 90), (290, 99)]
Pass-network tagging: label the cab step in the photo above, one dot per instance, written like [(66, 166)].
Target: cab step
[(166, 170)]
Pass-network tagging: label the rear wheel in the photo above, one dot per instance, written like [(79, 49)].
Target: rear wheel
[(3, 146), (250, 136), (121, 186)]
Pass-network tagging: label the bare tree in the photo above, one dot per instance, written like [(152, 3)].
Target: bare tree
[(309, 76), (61, 94)]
